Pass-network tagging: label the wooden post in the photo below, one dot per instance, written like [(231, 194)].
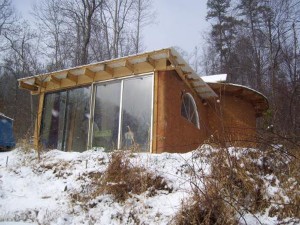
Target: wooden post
[(155, 110), (38, 122)]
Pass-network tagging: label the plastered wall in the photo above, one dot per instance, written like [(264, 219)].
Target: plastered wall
[(232, 121), (174, 132)]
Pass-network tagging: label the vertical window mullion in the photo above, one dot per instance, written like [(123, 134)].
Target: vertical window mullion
[(152, 112), (91, 119), (64, 145), (120, 115)]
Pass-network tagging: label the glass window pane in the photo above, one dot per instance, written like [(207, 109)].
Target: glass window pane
[(65, 120), (53, 120), (136, 113), (77, 119), (189, 109), (106, 115)]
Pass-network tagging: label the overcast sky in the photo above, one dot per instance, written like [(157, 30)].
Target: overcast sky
[(178, 23)]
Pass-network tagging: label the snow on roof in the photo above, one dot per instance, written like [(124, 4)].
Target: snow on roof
[(214, 78)]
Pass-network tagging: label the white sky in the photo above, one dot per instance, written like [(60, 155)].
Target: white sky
[(177, 23)]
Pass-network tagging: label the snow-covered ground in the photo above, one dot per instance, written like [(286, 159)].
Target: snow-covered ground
[(39, 192)]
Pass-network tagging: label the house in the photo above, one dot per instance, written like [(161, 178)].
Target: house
[(152, 102)]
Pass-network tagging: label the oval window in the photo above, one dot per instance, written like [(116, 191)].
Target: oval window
[(189, 109)]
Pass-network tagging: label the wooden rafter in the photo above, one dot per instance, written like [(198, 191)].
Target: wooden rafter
[(27, 86), (199, 86), (129, 66), (89, 73), (108, 70), (55, 80), (39, 83), (150, 61), (186, 74), (180, 73), (72, 77)]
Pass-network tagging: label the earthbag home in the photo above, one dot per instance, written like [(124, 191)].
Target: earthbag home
[(152, 102)]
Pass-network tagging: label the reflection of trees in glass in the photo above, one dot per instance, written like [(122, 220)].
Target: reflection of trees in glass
[(137, 99), (106, 115), (52, 122), (65, 119), (78, 119)]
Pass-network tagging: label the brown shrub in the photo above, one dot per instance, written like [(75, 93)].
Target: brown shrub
[(122, 179), (238, 179), (205, 208)]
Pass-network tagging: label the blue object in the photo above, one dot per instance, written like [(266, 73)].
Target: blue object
[(7, 139)]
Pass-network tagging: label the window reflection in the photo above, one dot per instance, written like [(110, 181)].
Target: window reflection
[(136, 113), (65, 120), (134, 130), (106, 116)]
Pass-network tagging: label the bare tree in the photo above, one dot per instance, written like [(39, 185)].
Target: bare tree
[(7, 16), (144, 13), (80, 15), (51, 24)]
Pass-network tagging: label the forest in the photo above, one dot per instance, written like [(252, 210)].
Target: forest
[(255, 42)]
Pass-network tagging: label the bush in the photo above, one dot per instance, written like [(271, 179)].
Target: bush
[(205, 208), (122, 179)]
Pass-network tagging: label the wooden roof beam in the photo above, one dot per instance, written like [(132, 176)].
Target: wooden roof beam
[(108, 70), (27, 86), (186, 74), (199, 86), (89, 73), (72, 77), (40, 83), (150, 61), (129, 66), (55, 80), (173, 61)]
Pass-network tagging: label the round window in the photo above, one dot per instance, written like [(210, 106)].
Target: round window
[(189, 109)]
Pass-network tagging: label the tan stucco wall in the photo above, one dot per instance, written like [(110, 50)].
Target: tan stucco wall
[(232, 121), (174, 132)]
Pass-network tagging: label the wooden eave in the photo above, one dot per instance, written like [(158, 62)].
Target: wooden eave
[(161, 60), (258, 100)]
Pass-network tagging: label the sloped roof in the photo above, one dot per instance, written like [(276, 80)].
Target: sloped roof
[(164, 59), (220, 85), (257, 99)]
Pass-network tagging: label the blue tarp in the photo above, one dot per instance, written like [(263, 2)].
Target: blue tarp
[(7, 139)]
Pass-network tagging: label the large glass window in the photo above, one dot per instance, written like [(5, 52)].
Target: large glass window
[(136, 113), (123, 113), (122, 116), (65, 120), (106, 115)]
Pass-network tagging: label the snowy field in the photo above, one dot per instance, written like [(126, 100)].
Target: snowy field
[(40, 192)]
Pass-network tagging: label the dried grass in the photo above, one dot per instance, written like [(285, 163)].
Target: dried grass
[(122, 179), (205, 208), (237, 183)]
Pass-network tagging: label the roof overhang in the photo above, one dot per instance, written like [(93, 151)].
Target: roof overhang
[(160, 60), (257, 99)]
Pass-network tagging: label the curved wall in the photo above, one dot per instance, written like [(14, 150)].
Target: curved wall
[(232, 121)]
